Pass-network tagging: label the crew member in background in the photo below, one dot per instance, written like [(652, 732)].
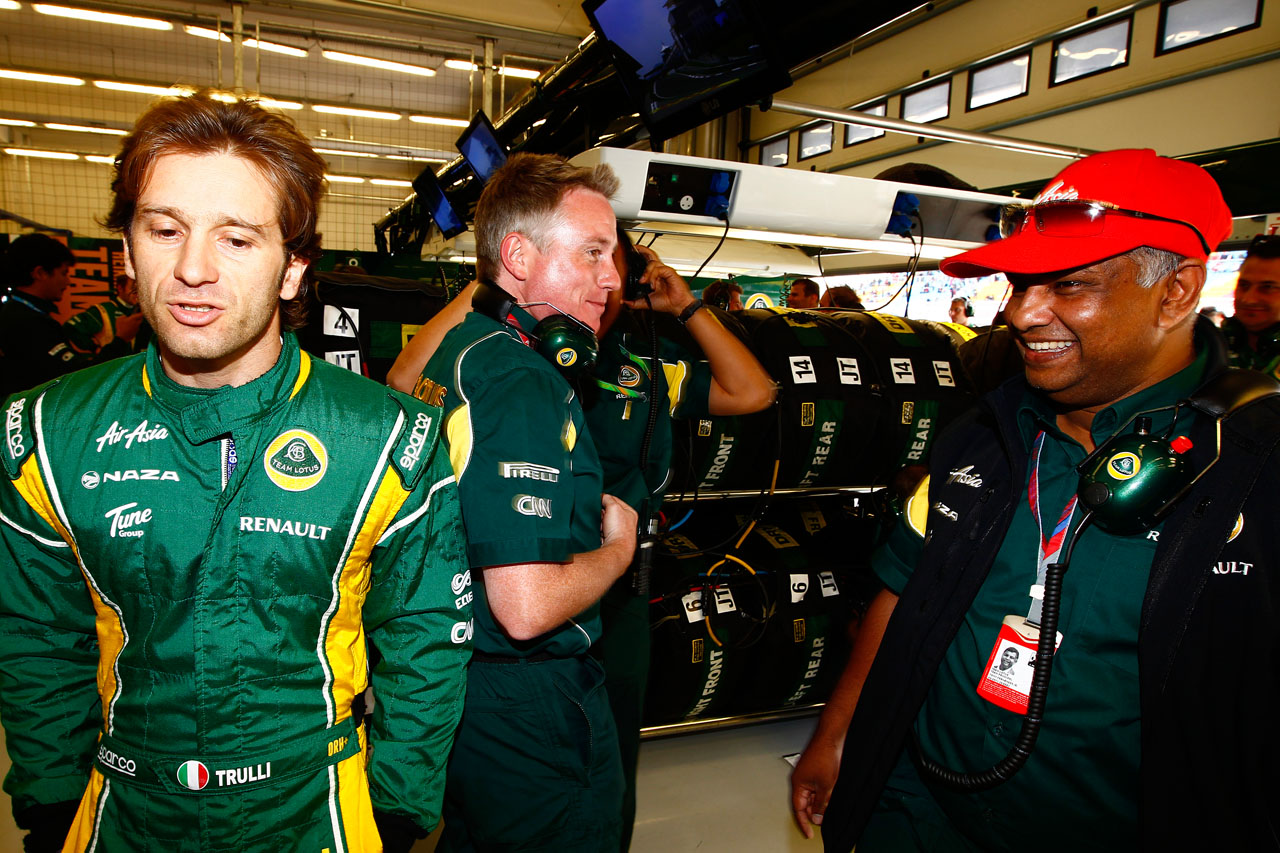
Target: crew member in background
[(803, 293), (1157, 734), (113, 327), (35, 347), (1253, 334), (201, 542), (961, 311), (725, 295), (535, 764), (843, 297), (730, 382)]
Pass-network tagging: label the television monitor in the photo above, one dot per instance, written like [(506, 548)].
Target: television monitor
[(433, 200), (480, 147), (688, 61)]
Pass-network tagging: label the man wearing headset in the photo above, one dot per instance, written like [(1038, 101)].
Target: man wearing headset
[(1148, 740), (535, 762)]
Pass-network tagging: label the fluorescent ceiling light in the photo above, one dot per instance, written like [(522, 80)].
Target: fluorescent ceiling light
[(522, 73), (17, 122), (102, 17), (337, 153), (272, 47), (351, 111), (206, 33), (389, 182), (10, 4), (46, 155), (504, 70), (81, 128), (384, 64), (343, 179), (265, 103), (447, 122), (273, 104), (100, 158), (40, 78), (416, 159), (140, 89)]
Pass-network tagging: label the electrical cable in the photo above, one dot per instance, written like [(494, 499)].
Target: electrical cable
[(911, 274), (673, 528), (716, 249)]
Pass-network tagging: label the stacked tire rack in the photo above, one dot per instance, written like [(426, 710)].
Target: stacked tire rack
[(765, 563)]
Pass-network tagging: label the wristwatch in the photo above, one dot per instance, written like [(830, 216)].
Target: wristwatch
[(689, 311)]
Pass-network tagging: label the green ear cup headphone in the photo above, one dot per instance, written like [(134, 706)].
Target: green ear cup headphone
[(561, 339), (1133, 479)]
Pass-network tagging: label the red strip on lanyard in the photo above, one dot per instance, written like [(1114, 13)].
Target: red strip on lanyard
[(1052, 546)]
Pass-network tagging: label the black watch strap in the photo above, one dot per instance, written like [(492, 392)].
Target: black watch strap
[(689, 311)]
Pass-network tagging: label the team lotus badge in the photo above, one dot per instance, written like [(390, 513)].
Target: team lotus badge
[(295, 460), (1123, 466), (566, 356), (628, 376), (193, 775)]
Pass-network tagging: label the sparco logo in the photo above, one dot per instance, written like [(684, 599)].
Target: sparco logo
[(529, 505), (92, 479), (413, 452), (529, 471), (965, 477), (13, 428), (142, 432), (125, 518), (117, 762)]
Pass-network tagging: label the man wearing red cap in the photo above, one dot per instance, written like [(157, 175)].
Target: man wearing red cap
[(1155, 731)]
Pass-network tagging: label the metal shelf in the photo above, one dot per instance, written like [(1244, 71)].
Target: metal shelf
[(712, 723), (732, 494)]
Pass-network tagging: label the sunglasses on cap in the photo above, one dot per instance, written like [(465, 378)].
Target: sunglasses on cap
[(1077, 219)]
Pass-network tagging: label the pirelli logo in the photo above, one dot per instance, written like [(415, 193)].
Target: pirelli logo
[(528, 471)]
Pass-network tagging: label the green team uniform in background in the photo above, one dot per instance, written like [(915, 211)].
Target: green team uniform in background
[(94, 329), (1265, 357), (197, 574), (618, 424), (535, 763)]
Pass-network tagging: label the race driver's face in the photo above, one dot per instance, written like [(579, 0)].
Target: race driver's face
[(575, 272), (206, 249)]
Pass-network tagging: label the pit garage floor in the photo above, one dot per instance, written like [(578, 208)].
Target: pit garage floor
[(722, 791)]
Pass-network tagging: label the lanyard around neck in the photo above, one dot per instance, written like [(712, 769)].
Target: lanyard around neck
[(1049, 547)]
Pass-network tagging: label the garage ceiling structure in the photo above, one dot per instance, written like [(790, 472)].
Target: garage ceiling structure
[(429, 82)]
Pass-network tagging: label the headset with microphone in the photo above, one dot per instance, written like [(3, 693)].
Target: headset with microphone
[(560, 338)]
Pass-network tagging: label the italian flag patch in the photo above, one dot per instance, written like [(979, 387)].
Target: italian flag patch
[(193, 775)]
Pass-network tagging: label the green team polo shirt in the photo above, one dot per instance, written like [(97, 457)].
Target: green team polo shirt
[(1081, 784), (528, 475), (618, 421)]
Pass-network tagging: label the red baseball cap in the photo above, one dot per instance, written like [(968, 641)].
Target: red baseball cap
[(1130, 179)]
